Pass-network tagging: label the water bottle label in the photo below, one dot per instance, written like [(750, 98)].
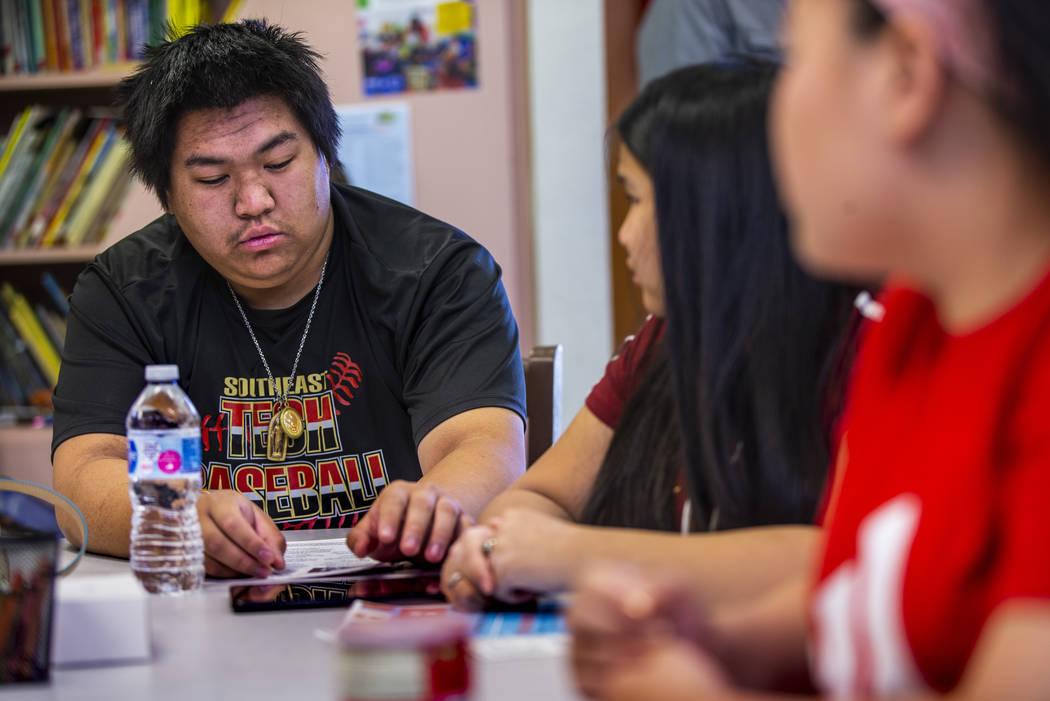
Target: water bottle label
[(160, 454)]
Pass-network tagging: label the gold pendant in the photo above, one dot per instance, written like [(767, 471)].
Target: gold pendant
[(276, 439), (291, 423)]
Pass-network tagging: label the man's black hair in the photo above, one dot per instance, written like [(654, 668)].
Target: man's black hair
[(220, 66)]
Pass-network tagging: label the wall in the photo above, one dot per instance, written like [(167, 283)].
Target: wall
[(566, 61)]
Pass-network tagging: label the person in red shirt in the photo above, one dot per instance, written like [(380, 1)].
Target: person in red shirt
[(911, 140), (760, 343)]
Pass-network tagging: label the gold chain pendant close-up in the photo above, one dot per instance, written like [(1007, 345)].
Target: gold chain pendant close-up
[(291, 423)]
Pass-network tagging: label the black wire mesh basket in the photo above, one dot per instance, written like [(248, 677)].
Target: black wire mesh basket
[(27, 585), (29, 552)]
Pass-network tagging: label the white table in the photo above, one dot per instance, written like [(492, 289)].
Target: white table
[(202, 650)]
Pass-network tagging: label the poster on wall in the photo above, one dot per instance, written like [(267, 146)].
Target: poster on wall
[(417, 45), (376, 149)]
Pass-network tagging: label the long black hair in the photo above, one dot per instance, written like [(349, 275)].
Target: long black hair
[(743, 393)]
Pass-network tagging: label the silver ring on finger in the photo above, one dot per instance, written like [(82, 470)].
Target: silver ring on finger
[(454, 579), (487, 546)]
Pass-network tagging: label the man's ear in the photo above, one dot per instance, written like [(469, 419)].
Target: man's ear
[(916, 80)]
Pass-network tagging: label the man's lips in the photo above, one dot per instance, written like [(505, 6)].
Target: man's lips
[(260, 238)]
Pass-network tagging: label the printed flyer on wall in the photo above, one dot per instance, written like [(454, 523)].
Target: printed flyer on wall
[(376, 148), (417, 45)]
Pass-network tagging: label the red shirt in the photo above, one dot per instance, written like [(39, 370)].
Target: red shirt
[(623, 373), (939, 512)]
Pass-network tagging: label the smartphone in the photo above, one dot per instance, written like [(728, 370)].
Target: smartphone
[(410, 584)]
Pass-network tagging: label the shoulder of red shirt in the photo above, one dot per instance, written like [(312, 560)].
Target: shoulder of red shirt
[(623, 372)]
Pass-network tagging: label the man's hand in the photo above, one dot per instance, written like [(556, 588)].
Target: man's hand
[(239, 539), (408, 520)]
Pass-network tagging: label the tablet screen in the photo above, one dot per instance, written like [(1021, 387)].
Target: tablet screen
[(419, 584)]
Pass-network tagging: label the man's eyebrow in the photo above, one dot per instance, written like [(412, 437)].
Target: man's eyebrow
[(283, 137)]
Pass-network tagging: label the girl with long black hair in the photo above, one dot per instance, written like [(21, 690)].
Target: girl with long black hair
[(911, 138), (718, 415)]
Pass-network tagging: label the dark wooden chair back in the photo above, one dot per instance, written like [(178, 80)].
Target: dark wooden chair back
[(543, 398)]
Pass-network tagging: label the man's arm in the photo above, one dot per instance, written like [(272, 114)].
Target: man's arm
[(466, 461), (92, 470)]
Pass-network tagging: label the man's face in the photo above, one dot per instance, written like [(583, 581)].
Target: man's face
[(251, 192)]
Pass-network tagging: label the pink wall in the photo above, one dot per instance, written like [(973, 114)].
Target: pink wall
[(471, 160)]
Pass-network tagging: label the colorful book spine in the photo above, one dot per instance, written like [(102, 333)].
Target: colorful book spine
[(98, 31), (94, 145), (12, 215), (113, 164), (63, 36), (18, 44), (29, 328), (18, 361), (76, 38), (50, 35), (33, 228), (60, 191), (13, 137), (7, 34), (39, 43), (59, 297), (21, 157), (87, 34)]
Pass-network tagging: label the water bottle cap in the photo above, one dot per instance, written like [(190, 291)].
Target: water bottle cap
[(162, 373)]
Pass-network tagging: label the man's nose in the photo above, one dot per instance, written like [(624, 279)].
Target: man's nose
[(253, 199)]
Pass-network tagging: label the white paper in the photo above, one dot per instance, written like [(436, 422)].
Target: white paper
[(376, 148), (308, 559)]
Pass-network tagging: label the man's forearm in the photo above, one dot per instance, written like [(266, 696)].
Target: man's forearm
[(99, 488), (475, 472)]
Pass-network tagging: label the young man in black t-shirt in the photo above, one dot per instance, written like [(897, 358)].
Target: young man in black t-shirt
[(383, 335)]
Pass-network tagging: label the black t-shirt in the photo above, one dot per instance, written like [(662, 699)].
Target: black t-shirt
[(412, 327)]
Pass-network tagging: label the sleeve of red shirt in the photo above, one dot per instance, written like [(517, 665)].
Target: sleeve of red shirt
[(622, 374)]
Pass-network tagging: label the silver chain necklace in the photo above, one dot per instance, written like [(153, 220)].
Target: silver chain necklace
[(286, 424)]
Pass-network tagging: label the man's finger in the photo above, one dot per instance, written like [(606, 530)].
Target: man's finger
[(390, 509), (214, 568), (417, 517), (266, 529), (232, 540), (442, 529), (362, 537)]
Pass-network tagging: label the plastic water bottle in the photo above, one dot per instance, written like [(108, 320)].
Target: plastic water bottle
[(164, 481)]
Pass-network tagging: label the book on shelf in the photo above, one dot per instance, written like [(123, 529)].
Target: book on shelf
[(63, 175), (94, 143), (22, 375), (66, 35), (15, 218), (32, 332), (31, 338), (56, 294)]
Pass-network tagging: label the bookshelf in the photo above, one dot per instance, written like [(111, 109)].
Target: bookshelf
[(105, 77), (25, 448), (60, 67)]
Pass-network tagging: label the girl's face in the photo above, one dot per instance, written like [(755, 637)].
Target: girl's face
[(827, 128), (638, 232)]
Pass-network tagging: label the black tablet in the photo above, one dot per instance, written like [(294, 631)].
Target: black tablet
[(415, 584)]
